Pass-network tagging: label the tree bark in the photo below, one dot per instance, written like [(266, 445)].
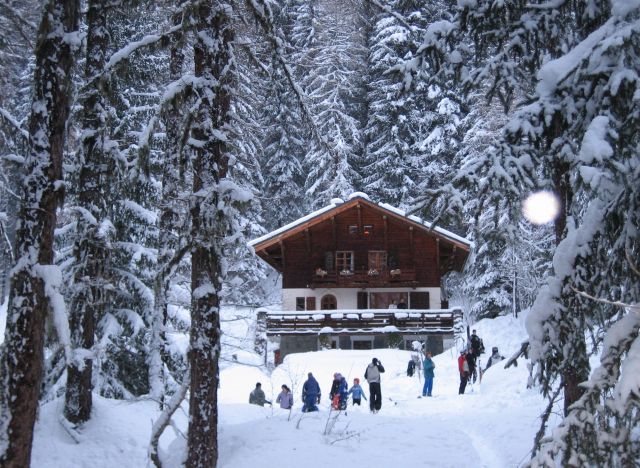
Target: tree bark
[(213, 63), (42, 193), (91, 246)]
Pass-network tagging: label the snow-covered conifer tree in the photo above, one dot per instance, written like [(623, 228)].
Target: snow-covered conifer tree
[(90, 290), (35, 280), (330, 161)]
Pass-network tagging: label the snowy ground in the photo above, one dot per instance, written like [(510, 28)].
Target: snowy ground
[(491, 426)]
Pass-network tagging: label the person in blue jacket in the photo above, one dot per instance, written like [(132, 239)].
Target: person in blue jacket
[(310, 394), (343, 391), (357, 392), (428, 375)]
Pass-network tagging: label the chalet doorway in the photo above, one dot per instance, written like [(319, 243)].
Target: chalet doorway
[(328, 302), (382, 300), (361, 344)]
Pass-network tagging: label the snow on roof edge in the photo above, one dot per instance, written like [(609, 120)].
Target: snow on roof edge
[(385, 206)]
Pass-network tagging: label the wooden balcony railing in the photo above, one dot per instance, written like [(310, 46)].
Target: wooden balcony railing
[(440, 321), (358, 278)]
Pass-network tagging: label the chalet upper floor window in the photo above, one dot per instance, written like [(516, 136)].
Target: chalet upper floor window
[(377, 260), (354, 231), (344, 260)]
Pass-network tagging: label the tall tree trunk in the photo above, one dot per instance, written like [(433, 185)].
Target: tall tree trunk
[(168, 240), (574, 372), (91, 246), (42, 193), (213, 63)]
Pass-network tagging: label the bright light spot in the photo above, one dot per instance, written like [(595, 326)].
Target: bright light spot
[(541, 207)]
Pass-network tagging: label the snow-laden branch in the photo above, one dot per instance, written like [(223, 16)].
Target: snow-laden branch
[(8, 117), (132, 47), (395, 14)]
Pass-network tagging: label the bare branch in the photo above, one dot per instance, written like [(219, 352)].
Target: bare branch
[(635, 307), (165, 419)]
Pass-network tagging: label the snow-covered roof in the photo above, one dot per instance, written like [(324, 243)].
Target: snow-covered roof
[(338, 201)]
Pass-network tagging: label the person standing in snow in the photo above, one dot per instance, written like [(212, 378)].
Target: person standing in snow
[(334, 393), (357, 392), (463, 368), (310, 394), (343, 393), (372, 374), (285, 398), (495, 357), (428, 375), (257, 397)]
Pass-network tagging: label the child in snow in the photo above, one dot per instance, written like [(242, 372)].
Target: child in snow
[(343, 392), (334, 394), (285, 398), (357, 392)]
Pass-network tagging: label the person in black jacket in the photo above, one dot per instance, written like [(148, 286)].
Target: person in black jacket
[(372, 374)]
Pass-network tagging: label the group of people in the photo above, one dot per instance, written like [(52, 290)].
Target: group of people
[(340, 391), (339, 394), (468, 359)]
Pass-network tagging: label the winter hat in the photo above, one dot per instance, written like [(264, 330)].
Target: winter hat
[(335, 375), (494, 349), (258, 384), (375, 360)]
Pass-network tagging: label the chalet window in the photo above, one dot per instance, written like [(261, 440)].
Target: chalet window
[(328, 261), (353, 230), (367, 231), (299, 303), (311, 303), (328, 302), (363, 300), (344, 260), (419, 300), (377, 260), (393, 260)]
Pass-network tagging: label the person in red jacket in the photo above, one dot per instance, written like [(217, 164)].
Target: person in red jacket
[(463, 367)]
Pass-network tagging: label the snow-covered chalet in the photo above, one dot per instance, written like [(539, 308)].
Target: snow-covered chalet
[(361, 275)]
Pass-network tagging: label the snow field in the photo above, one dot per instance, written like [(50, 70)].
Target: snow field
[(491, 426)]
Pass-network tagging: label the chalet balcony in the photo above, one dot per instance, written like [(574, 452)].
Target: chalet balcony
[(367, 321), (363, 278)]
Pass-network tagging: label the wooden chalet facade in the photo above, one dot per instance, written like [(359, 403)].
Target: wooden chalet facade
[(344, 265)]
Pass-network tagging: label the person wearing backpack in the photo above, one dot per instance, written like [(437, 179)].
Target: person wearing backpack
[(428, 375), (343, 393), (372, 374), (357, 392)]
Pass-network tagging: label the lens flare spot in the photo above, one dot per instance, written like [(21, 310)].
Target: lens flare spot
[(541, 207)]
